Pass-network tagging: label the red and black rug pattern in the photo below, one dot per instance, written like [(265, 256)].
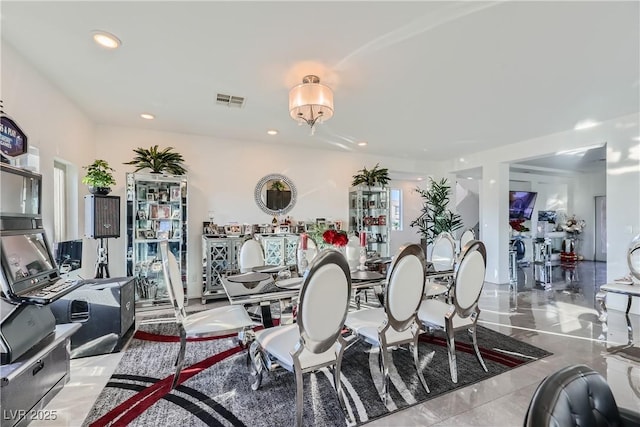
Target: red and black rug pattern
[(214, 387)]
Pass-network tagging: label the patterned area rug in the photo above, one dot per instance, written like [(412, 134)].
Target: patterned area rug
[(215, 388)]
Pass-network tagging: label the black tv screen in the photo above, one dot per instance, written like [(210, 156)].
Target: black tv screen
[(521, 204)]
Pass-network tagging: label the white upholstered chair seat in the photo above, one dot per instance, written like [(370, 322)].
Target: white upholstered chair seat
[(217, 321), (434, 312), (281, 340), (366, 323), (432, 289)]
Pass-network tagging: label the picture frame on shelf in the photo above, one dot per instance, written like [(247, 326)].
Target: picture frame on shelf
[(162, 235), (142, 215), (151, 197), (176, 213), (160, 212), (164, 226), (174, 193), (163, 195), (177, 234), (142, 234), (149, 234), (209, 227)]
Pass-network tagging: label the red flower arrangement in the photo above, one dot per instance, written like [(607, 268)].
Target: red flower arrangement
[(335, 237)]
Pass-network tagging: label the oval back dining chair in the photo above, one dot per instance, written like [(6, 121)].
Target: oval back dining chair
[(463, 311), (251, 255), (396, 323), (203, 324), (443, 253), (467, 236), (443, 257), (315, 341)]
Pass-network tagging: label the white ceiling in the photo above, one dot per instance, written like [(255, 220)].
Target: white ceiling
[(423, 80)]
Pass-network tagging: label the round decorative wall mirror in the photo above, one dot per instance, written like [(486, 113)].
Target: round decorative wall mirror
[(633, 257), (275, 194)]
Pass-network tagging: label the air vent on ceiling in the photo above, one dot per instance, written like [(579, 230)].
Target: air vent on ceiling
[(230, 100)]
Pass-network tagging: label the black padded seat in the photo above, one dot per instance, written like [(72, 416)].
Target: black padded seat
[(576, 396)]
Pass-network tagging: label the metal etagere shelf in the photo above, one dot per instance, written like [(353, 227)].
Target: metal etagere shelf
[(369, 211)]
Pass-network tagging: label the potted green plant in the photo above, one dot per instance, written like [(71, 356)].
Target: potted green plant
[(99, 177), (371, 178), (436, 217), (159, 161)]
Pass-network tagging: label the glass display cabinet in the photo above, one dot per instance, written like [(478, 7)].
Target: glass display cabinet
[(369, 212), (156, 211)]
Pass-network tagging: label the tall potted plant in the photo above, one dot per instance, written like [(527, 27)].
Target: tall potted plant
[(436, 217), (99, 177), (159, 161), (372, 177)]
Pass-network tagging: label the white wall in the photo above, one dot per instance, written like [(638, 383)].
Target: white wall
[(586, 187), (467, 202), (57, 127), (223, 174)]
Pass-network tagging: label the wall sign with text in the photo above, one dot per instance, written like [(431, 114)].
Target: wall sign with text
[(13, 142)]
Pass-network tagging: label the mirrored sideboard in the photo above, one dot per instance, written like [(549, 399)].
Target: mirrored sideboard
[(279, 249), (219, 258)]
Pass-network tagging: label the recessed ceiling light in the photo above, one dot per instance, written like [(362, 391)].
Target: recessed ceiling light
[(461, 159), (106, 39), (147, 116), (585, 124), (469, 177), (362, 143), (419, 178), (272, 132)]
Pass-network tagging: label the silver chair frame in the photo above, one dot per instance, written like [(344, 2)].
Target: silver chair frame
[(472, 311), (260, 360), (177, 301), (399, 324)]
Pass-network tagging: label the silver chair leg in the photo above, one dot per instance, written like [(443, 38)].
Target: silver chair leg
[(180, 358), (299, 397), (477, 350), (384, 368), (451, 348), (414, 348), (601, 300), (336, 380), (256, 367)]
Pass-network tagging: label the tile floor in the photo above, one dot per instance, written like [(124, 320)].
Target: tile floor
[(560, 317)]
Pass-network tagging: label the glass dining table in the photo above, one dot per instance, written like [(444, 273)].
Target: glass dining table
[(261, 288)]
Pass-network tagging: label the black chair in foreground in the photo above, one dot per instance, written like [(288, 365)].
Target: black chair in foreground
[(209, 323), (577, 396)]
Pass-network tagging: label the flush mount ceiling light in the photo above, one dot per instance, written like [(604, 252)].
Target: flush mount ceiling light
[(106, 39), (311, 102), (147, 116)]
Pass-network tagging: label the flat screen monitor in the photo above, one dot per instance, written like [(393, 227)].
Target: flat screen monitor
[(27, 263), (521, 204), (69, 255)]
